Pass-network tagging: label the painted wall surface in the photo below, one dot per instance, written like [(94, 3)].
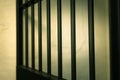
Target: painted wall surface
[(102, 40), (7, 40)]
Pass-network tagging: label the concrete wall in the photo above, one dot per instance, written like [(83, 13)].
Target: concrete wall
[(102, 40), (7, 39)]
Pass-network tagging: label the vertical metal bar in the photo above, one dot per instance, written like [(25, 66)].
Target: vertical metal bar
[(73, 40), (91, 39), (19, 37), (32, 38), (26, 34), (48, 39), (40, 34), (59, 17), (114, 7), (19, 31), (118, 23)]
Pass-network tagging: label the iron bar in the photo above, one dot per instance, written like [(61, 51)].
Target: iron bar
[(73, 40), (33, 36), (19, 31), (26, 34), (48, 38), (59, 17), (40, 34), (91, 39)]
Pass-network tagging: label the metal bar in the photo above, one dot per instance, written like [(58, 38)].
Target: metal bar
[(32, 38), (26, 34), (91, 39), (48, 38), (73, 40), (19, 38), (19, 31), (40, 34), (28, 3), (118, 23), (59, 17), (114, 7)]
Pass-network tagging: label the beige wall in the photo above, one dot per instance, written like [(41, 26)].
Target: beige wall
[(7, 40), (102, 40)]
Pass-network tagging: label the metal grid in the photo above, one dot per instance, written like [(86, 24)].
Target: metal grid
[(38, 74)]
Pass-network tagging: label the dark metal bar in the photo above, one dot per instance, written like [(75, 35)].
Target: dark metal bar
[(91, 39), (28, 3), (26, 34), (73, 40), (114, 22), (59, 17), (40, 34), (118, 9), (48, 38), (32, 38), (19, 37), (19, 31)]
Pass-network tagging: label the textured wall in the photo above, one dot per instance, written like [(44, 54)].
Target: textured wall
[(7, 40), (102, 40)]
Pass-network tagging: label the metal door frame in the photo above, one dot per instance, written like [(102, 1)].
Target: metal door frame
[(114, 15)]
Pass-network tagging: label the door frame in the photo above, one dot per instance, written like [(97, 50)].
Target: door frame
[(114, 23)]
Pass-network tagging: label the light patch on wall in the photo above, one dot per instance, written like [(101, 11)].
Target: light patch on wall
[(102, 49)]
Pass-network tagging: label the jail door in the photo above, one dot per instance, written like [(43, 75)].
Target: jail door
[(35, 58)]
